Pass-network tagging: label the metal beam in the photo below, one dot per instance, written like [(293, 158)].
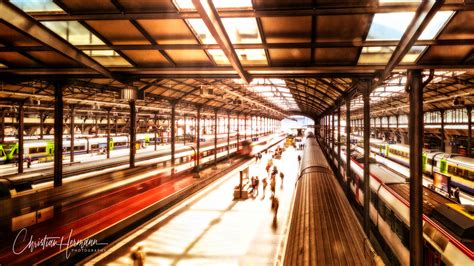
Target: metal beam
[(21, 129), (133, 132), (18, 19), (366, 88), (211, 18), (423, 16), (415, 135), (58, 134), (469, 130), (312, 11)]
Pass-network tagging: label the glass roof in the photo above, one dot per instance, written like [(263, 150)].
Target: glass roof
[(275, 91), (242, 30), (201, 31), (389, 26), (36, 5), (73, 32), (220, 4), (382, 54), (107, 58), (436, 24)]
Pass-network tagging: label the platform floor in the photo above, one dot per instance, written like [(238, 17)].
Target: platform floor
[(215, 229)]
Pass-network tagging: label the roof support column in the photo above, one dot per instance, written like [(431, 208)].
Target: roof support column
[(251, 127), (215, 137), (339, 141), (173, 134), (2, 126), (388, 128), (348, 144), (443, 136), (108, 134), (238, 131), (198, 137), (366, 88), (58, 134), (469, 130), (228, 135), (245, 127), (155, 130), (184, 130), (21, 129), (415, 131), (133, 133), (71, 129), (333, 134)]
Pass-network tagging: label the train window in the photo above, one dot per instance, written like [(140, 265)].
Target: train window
[(430, 162), (381, 209), (94, 146), (459, 171), (451, 169)]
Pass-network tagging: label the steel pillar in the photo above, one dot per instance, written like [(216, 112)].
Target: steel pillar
[(469, 130), (238, 131), (108, 134), (184, 131), (339, 140), (333, 134), (443, 136), (348, 143), (155, 130), (58, 134), (366, 97), (228, 135), (415, 131), (21, 129), (173, 132), (215, 137), (198, 134), (133, 132), (71, 129), (245, 127), (2, 126)]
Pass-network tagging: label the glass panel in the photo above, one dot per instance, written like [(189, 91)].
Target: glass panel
[(36, 5), (274, 91), (220, 4), (219, 56), (73, 32), (201, 31), (252, 56), (413, 54), (436, 24), (107, 58), (389, 26), (242, 30), (376, 55)]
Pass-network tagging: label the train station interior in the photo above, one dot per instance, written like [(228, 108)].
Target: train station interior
[(236, 132)]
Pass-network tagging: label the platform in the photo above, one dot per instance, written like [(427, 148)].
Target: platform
[(213, 229)]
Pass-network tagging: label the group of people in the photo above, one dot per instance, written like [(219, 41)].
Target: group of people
[(300, 146)]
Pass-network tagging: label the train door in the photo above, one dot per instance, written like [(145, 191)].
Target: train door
[(111, 144), (49, 151)]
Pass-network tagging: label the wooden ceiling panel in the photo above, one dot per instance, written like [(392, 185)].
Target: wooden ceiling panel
[(287, 29), (147, 5), (53, 58), (461, 26), (335, 56), (147, 58), (290, 56), (342, 27), (189, 57), (14, 59), (450, 54), (89, 6), (169, 31)]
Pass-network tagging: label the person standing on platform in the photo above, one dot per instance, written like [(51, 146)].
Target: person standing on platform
[(28, 161), (456, 195), (282, 175), (299, 159), (273, 184), (264, 184), (257, 181)]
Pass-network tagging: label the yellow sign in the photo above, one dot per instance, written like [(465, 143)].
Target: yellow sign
[(459, 208)]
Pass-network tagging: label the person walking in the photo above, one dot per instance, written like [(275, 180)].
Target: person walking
[(28, 161), (456, 195), (275, 205), (264, 185), (272, 184), (299, 159), (257, 181)]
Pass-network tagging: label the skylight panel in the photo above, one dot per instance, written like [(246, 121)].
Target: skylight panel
[(376, 54), (389, 26), (219, 4), (201, 31), (242, 30), (270, 90), (413, 54), (219, 56), (252, 56), (73, 32), (108, 58), (36, 5), (436, 24)]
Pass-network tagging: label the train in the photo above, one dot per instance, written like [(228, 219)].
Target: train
[(43, 149), (449, 236), (459, 168)]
